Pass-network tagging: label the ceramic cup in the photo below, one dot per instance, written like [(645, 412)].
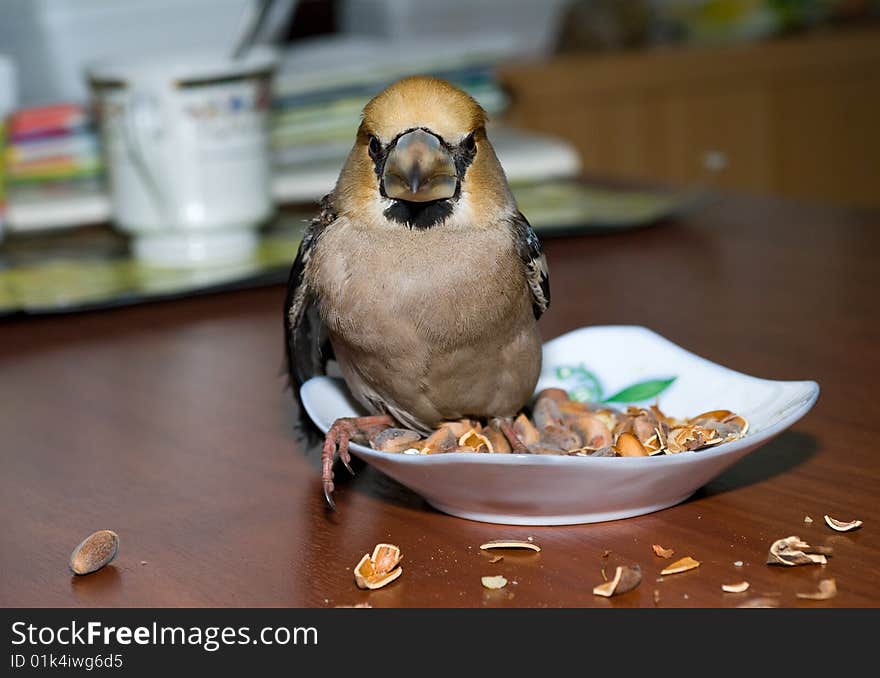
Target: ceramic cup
[(186, 145)]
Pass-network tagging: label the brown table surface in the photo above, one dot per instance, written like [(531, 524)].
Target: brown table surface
[(169, 424)]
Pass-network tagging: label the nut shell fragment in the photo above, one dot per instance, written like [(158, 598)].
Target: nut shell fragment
[(454, 428), (477, 441), (440, 441), (793, 551), (710, 417), (546, 412), (498, 443), (645, 425), (827, 589), (625, 579), (689, 438), (739, 423), (727, 424), (376, 581), (735, 588), (510, 544), (525, 430), (842, 526), (662, 552), (379, 569), (681, 565), (94, 552), (394, 440), (630, 578), (385, 557), (592, 430), (561, 437), (495, 582), (628, 445)]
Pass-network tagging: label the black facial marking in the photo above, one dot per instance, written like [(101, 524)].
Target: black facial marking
[(424, 215), (463, 154), (470, 143), (420, 215), (378, 155), (375, 147)]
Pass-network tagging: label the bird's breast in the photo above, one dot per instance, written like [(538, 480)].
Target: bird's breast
[(447, 288), (438, 322)]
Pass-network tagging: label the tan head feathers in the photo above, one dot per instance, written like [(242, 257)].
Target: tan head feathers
[(422, 101)]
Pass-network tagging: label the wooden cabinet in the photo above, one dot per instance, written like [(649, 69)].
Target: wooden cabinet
[(798, 116)]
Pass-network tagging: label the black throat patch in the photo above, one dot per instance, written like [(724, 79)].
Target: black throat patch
[(420, 215)]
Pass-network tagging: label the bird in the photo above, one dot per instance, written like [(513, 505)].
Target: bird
[(419, 275)]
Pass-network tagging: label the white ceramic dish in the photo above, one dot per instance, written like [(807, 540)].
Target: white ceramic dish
[(520, 489)]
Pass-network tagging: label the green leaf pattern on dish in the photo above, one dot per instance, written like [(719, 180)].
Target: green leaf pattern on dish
[(586, 387)]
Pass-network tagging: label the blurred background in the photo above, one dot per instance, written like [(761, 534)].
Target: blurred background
[(605, 114)]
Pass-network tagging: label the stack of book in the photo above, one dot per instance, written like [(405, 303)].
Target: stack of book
[(322, 85), (51, 143)]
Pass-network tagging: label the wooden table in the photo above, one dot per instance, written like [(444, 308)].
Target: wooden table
[(169, 423)]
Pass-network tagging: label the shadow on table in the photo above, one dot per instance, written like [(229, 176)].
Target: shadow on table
[(783, 453), (97, 587), (384, 488)]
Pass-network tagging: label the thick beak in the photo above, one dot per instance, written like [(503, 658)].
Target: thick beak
[(419, 169)]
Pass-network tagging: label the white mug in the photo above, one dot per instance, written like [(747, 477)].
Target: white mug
[(186, 145)]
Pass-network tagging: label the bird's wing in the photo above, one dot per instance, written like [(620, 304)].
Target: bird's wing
[(537, 274), (305, 337)]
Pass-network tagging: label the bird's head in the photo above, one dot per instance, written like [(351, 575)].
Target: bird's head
[(421, 159)]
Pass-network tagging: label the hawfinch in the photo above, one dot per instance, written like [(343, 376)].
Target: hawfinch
[(419, 274)]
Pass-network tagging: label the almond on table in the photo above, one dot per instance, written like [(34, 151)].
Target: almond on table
[(94, 552)]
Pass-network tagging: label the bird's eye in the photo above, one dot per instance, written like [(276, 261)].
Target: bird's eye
[(469, 144), (375, 146)]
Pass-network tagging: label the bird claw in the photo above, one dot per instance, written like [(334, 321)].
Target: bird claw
[(329, 497), (336, 442), (345, 462)]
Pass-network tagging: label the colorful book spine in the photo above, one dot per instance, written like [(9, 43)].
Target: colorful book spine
[(51, 143)]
